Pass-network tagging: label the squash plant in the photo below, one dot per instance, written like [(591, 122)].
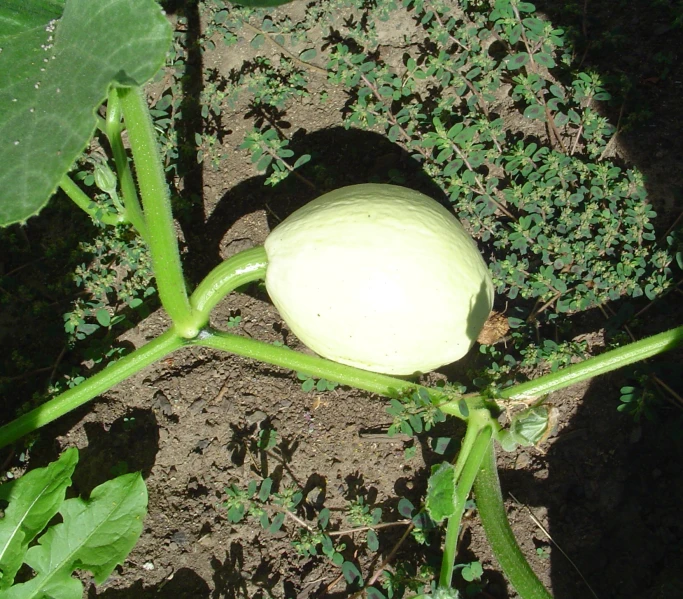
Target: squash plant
[(62, 61)]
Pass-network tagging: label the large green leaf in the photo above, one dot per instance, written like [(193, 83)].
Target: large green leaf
[(32, 500), (54, 75), (17, 16), (95, 535)]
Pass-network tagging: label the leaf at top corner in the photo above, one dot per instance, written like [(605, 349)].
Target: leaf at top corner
[(32, 500), (17, 16), (94, 535), (54, 74)]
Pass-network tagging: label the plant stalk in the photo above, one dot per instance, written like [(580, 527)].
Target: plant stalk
[(113, 128), (161, 233), (240, 269), (284, 357), (91, 387), (87, 205), (610, 360), (489, 499), (478, 438)]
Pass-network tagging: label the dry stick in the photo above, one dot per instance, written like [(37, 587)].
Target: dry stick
[(652, 302), (550, 302), (301, 178), (671, 228), (303, 64), (385, 563), (552, 128), (437, 16), (350, 531), (537, 522), (613, 140)]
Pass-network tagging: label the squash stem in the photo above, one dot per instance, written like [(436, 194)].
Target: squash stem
[(489, 500), (477, 439), (91, 387), (240, 269), (161, 233), (284, 357)]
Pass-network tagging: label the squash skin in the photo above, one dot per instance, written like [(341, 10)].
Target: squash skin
[(380, 277)]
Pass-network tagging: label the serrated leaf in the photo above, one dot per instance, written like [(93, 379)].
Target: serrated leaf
[(53, 76), (33, 500), (440, 502), (95, 535)]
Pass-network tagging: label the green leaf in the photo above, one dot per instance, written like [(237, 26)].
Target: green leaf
[(301, 160), (545, 59), (16, 17), (53, 76), (309, 54), (277, 523), (264, 491), (440, 502), (535, 111), (529, 427), (94, 535), (517, 61), (258, 41), (103, 317), (351, 572), (33, 500), (373, 541)]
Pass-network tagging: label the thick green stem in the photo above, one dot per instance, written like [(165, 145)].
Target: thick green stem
[(474, 446), (489, 499), (373, 382), (86, 204), (92, 387), (161, 233), (240, 269), (611, 360), (113, 128)]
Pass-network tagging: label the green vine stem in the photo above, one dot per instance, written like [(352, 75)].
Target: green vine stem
[(489, 500), (240, 269), (81, 200), (112, 129), (610, 360), (478, 438), (91, 387), (161, 233), (284, 357)]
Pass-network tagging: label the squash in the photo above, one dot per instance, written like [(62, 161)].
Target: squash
[(379, 277)]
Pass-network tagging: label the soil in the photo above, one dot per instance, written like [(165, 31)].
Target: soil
[(596, 509)]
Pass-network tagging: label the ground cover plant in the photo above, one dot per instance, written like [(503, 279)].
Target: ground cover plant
[(565, 228)]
